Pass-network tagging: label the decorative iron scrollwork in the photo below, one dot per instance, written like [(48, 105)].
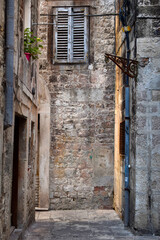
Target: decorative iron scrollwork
[(129, 67)]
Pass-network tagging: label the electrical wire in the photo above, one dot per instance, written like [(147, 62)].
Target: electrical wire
[(90, 15), (145, 17), (86, 15)]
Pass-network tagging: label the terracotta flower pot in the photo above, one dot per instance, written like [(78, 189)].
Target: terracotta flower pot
[(28, 55)]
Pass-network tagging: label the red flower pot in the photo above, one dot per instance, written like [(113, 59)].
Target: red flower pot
[(28, 55)]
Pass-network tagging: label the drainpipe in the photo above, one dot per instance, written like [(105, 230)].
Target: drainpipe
[(127, 125), (9, 71), (127, 140)]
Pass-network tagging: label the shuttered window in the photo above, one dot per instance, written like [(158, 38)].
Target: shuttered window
[(70, 35), (122, 139)]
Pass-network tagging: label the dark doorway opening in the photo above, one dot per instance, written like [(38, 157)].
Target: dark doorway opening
[(19, 159), (37, 169), (14, 203)]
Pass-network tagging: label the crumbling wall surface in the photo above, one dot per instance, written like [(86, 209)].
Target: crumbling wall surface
[(82, 115), (147, 189), (25, 108)]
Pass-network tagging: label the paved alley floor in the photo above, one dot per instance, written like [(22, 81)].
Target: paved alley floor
[(80, 225)]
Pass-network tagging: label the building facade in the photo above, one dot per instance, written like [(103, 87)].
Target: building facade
[(18, 119), (81, 102), (144, 44), (82, 120)]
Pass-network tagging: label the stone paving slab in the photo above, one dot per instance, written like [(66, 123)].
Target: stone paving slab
[(80, 225)]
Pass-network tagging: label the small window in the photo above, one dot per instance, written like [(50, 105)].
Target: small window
[(27, 14), (70, 35)]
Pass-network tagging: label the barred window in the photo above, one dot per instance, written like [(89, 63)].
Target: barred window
[(70, 35)]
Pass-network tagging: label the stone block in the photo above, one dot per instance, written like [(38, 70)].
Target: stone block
[(155, 95), (156, 123), (155, 178), (141, 139), (148, 47), (141, 216), (141, 178), (155, 163), (141, 108)]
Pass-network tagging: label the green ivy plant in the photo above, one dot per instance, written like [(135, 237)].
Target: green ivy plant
[(32, 44)]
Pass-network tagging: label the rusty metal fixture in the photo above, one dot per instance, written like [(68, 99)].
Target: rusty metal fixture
[(130, 68)]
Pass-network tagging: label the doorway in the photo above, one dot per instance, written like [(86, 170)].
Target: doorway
[(19, 157)]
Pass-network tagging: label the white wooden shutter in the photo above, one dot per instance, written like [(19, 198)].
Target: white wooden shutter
[(71, 35), (61, 35), (80, 34)]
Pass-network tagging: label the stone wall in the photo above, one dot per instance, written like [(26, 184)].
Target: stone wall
[(25, 120), (82, 115), (144, 121), (147, 189), (2, 26), (42, 176)]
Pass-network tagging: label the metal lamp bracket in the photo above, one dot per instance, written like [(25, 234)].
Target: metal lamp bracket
[(129, 67)]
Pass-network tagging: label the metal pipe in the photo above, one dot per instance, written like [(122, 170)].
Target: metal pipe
[(9, 71), (123, 18), (127, 140)]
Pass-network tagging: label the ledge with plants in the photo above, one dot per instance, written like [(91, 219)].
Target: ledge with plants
[(32, 45)]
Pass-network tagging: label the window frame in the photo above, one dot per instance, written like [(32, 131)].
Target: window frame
[(27, 14), (70, 58)]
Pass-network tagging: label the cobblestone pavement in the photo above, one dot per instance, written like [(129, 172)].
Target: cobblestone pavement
[(80, 225)]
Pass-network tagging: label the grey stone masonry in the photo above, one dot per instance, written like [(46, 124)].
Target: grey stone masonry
[(144, 118), (147, 168)]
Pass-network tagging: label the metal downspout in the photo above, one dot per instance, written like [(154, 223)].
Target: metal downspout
[(127, 141), (123, 18), (9, 72)]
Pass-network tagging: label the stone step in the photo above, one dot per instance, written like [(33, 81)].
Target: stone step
[(16, 234)]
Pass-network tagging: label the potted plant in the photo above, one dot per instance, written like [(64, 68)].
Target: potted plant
[(32, 45)]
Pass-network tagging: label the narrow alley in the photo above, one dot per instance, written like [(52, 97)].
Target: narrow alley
[(80, 119), (81, 225)]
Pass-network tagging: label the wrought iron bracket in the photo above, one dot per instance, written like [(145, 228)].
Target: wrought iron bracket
[(129, 67)]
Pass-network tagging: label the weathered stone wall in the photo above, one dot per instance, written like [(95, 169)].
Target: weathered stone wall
[(42, 176), (2, 26), (147, 188), (25, 107), (82, 115), (144, 121)]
